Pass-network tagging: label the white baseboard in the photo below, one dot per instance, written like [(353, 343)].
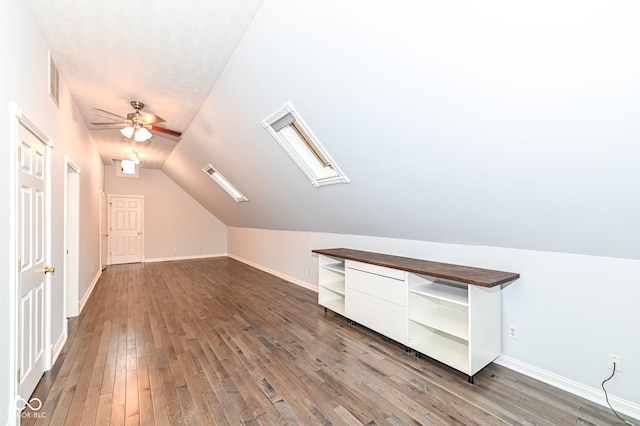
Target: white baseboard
[(276, 273), (87, 294), (594, 395), (57, 348), (171, 259)]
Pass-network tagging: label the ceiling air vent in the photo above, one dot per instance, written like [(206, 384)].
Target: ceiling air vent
[(54, 81), (224, 183)]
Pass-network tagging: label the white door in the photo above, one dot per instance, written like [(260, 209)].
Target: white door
[(104, 231), (33, 240), (125, 233)]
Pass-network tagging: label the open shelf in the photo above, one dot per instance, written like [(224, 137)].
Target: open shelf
[(442, 347), (335, 286), (331, 284), (335, 267), (335, 305), (450, 321), (445, 292)]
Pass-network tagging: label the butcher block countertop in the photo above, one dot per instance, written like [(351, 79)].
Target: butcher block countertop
[(463, 274)]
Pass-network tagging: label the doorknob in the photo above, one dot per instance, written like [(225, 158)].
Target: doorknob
[(49, 269)]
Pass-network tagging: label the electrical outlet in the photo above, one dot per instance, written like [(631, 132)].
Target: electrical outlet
[(617, 359), (513, 331)]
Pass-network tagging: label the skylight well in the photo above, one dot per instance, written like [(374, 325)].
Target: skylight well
[(224, 184), (294, 136)]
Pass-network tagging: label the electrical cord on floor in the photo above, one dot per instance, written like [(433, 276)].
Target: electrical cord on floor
[(607, 396)]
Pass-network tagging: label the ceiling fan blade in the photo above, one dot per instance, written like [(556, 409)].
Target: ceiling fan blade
[(144, 118), (167, 131), (110, 113), (101, 116), (113, 123), (151, 119), (107, 128)]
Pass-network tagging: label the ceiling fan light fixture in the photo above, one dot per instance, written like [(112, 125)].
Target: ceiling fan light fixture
[(142, 135), (127, 132)]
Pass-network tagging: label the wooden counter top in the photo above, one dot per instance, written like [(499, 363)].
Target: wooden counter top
[(458, 273)]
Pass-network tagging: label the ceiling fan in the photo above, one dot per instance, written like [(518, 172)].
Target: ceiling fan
[(137, 124)]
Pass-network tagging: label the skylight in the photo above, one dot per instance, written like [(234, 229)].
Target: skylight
[(294, 136), (224, 184)]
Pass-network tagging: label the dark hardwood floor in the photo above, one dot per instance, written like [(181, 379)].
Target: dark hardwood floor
[(217, 342)]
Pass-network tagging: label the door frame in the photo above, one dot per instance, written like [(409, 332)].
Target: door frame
[(18, 118), (104, 232), (71, 239), (110, 197)]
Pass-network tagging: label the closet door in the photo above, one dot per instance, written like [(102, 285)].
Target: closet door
[(125, 236)]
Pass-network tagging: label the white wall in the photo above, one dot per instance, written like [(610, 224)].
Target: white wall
[(6, 261), (570, 310), (72, 141), (175, 225), (24, 79), (469, 118)]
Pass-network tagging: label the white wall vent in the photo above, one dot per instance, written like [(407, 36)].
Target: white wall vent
[(54, 81)]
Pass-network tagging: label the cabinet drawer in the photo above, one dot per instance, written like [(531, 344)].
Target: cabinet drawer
[(389, 289), (388, 319), (396, 274)]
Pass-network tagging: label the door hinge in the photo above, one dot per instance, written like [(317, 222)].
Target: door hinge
[(19, 375), (19, 153), (19, 265)]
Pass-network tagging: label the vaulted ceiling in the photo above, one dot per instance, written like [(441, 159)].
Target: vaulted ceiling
[(165, 54), (491, 123)]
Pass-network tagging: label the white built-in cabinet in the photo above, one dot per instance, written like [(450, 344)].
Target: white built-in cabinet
[(447, 312)]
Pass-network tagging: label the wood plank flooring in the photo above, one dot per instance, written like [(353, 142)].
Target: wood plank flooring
[(215, 341)]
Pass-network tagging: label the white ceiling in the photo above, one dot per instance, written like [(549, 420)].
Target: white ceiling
[(166, 54)]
